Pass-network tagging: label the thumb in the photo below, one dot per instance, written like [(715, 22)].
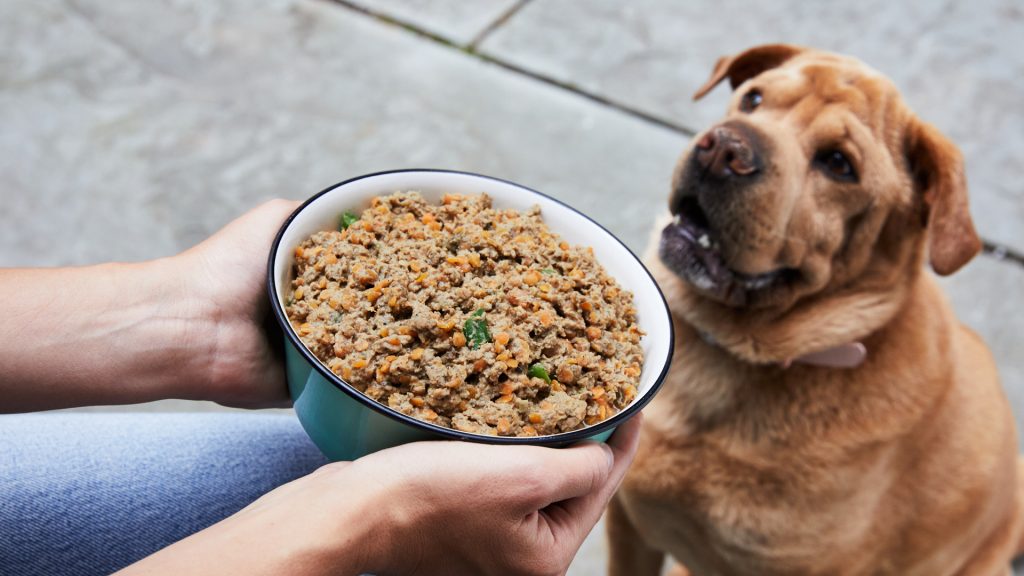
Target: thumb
[(571, 472), (578, 515)]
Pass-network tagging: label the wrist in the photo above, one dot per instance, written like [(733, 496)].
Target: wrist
[(199, 328), (344, 528), (170, 335), (392, 518), (369, 521)]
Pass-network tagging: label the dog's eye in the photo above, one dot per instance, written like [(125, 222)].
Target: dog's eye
[(836, 165), (750, 100)]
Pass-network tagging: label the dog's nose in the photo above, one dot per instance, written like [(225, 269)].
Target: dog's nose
[(725, 152)]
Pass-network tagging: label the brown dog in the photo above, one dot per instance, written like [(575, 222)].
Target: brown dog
[(777, 446)]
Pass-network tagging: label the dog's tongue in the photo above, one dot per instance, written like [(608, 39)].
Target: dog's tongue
[(687, 252)]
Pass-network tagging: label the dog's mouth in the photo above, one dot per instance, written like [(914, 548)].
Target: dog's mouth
[(690, 249)]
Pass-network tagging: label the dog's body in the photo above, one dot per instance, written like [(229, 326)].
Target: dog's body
[(905, 464)]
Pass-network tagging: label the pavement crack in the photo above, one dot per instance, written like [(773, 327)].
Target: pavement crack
[(498, 23), (1002, 253)]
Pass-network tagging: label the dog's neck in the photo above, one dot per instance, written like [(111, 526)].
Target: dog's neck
[(828, 334), (713, 388)]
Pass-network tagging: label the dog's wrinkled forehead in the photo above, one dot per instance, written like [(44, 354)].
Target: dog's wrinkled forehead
[(805, 80), (815, 82)]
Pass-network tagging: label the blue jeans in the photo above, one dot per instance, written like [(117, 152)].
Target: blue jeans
[(90, 493)]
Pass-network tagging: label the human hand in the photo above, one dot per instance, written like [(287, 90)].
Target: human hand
[(460, 508), (425, 508), (226, 278)]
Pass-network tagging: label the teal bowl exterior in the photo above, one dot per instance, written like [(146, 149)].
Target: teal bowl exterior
[(341, 426), (344, 423)]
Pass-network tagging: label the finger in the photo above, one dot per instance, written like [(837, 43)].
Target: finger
[(276, 210), (577, 516), (275, 372), (562, 474), (234, 248), (624, 443), (579, 472), (262, 221)]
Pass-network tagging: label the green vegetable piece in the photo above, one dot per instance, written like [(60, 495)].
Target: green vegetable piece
[(548, 271), (475, 329), (538, 371), (347, 219)]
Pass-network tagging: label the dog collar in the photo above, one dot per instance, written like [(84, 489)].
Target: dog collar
[(850, 355)]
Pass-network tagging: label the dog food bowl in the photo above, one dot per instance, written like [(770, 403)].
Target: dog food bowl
[(343, 422)]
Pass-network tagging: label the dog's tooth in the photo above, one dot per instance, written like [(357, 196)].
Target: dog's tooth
[(704, 241), (677, 219), (760, 281)]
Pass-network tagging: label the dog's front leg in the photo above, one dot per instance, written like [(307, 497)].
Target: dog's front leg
[(629, 553)]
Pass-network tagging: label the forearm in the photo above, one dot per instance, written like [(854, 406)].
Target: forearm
[(325, 524), (105, 334), (241, 546)]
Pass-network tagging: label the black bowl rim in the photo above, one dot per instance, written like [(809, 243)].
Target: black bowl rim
[(562, 438)]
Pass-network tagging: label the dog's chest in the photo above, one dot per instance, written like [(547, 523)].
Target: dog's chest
[(709, 509), (705, 475)]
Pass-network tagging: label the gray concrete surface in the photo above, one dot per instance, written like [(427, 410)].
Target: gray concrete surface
[(126, 140), (461, 21)]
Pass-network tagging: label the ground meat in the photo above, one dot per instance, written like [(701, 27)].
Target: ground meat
[(466, 316)]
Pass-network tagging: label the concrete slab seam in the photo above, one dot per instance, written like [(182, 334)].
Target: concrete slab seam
[(498, 23)]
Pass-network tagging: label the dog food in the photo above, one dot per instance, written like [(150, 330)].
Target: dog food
[(466, 316)]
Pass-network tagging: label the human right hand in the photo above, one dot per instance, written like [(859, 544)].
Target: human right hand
[(460, 508), (426, 508)]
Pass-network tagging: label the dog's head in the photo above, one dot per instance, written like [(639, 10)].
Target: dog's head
[(819, 179)]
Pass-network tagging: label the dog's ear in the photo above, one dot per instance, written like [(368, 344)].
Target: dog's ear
[(746, 65), (937, 169)]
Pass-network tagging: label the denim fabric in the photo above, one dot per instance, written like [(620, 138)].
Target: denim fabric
[(89, 493)]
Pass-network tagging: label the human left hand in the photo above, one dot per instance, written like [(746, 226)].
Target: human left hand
[(226, 279)]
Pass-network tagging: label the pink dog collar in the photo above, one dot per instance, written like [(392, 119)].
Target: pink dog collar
[(849, 355)]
